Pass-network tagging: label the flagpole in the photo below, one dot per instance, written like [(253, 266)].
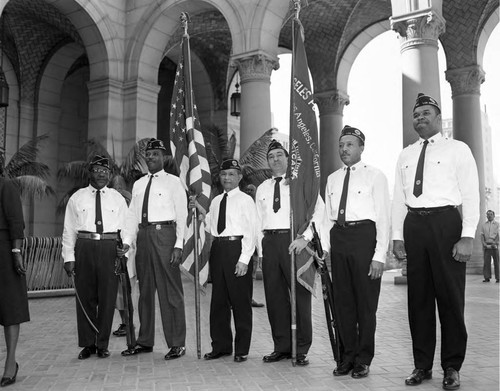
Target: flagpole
[(189, 90), (293, 272)]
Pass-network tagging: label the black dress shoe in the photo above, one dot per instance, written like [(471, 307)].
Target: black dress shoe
[(102, 353), (276, 356), (7, 381), (451, 380), (302, 360), (175, 352), (239, 358), (121, 331), (86, 352), (417, 376), (486, 280), (343, 369), (137, 349), (257, 305), (360, 370), (215, 355)]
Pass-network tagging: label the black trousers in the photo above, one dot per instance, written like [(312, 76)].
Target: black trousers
[(156, 275), (97, 285), (276, 274), (356, 294), (488, 254), (230, 293), (435, 277)]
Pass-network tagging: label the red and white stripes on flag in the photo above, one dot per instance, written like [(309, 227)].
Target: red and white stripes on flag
[(188, 150)]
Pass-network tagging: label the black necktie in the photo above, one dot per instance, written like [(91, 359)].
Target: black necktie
[(145, 202), (98, 212), (419, 174), (343, 198), (221, 223), (276, 197)]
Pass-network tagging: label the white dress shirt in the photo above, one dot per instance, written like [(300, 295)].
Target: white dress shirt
[(281, 219), (367, 199), (450, 178), (167, 201), (80, 216), (241, 220)]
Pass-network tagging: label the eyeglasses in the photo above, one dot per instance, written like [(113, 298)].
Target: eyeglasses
[(99, 171)]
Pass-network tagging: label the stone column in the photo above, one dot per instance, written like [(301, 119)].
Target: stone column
[(106, 112), (419, 32), (255, 80), (140, 112), (331, 109), (467, 127)]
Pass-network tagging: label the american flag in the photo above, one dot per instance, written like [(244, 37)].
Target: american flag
[(188, 150)]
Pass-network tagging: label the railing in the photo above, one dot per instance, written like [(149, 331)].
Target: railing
[(44, 265)]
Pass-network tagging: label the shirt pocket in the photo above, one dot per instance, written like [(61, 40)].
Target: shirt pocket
[(407, 171)]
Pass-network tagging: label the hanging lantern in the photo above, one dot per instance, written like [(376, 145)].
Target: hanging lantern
[(4, 90), (235, 102)]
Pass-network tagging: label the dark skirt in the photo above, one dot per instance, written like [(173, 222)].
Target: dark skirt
[(13, 292)]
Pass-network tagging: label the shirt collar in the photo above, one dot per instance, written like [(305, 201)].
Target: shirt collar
[(232, 192), (157, 174), (434, 139), (354, 167), (93, 189)]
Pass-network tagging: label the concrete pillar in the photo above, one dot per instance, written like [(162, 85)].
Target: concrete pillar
[(140, 117), (106, 113), (419, 32), (331, 109), (467, 127), (255, 80)]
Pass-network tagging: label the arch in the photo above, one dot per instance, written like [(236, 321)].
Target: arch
[(354, 48), (98, 33), (159, 24), (488, 28)]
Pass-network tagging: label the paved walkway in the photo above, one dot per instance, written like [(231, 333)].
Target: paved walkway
[(48, 351)]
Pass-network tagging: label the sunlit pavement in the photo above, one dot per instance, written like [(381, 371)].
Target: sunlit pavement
[(47, 352)]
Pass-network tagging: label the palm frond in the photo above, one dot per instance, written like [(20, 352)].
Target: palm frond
[(32, 186), (77, 171), (134, 161), (256, 155), (26, 154), (40, 170)]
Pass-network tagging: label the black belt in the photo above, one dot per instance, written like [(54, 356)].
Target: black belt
[(227, 238), (430, 211), (96, 236), (157, 224), (276, 231), (348, 224)]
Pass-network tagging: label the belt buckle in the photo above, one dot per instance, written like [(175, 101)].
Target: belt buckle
[(95, 236), (158, 227)]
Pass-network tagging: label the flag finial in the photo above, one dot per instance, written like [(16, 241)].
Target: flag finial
[(185, 19), (296, 6)]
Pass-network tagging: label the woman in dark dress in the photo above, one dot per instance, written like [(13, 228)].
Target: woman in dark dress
[(13, 292)]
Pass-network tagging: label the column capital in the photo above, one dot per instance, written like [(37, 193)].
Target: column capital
[(331, 102), (466, 80), (255, 66), (418, 28)]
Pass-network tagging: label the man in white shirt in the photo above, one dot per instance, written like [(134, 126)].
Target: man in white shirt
[(357, 217), (232, 222), (490, 237), (156, 220), (274, 247), (93, 216), (434, 176)]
